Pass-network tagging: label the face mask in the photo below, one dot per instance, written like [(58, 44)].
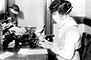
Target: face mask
[(56, 17), (13, 11)]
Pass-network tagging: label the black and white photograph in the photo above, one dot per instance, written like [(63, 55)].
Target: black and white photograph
[(45, 29)]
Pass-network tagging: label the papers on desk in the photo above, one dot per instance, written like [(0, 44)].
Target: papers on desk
[(5, 55), (24, 51), (37, 51)]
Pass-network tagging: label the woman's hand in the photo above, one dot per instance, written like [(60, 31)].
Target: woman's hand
[(44, 43)]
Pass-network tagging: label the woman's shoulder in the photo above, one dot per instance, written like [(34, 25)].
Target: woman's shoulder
[(74, 28)]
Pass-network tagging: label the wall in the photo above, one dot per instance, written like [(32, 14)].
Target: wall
[(78, 7), (2, 10), (81, 8), (32, 13), (2, 5), (48, 18), (88, 15), (88, 9), (10, 2)]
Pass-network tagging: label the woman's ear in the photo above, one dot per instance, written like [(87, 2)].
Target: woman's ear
[(65, 8)]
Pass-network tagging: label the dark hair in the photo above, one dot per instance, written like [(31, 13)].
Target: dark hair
[(63, 7), (54, 5), (60, 1), (15, 7)]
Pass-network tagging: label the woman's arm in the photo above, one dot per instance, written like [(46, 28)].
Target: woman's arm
[(69, 47)]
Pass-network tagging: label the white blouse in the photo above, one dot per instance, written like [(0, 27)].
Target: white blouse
[(71, 37)]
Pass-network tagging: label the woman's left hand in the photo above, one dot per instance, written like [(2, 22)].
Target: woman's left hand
[(45, 44)]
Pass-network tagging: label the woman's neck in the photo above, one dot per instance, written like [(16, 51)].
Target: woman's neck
[(63, 19)]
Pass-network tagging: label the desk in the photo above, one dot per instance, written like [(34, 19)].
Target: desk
[(32, 55), (28, 57)]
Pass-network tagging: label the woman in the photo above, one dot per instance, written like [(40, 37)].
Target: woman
[(69, 37), (13, 12)]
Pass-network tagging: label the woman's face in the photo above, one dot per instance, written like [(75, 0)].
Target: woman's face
[(13, 11), (56, 16)]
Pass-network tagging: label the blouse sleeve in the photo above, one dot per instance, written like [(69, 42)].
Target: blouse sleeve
[(68, 51)]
